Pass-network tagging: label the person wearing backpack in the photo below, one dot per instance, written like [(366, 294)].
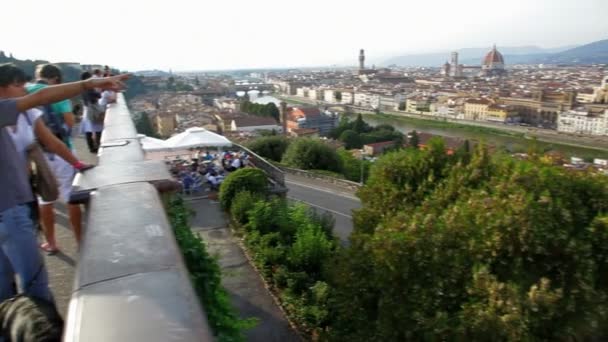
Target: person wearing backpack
[(59, 118)]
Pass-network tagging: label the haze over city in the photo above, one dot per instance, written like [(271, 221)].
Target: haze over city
[(192, 35)]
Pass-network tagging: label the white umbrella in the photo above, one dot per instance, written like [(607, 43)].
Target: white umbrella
[(197, 137), (152, 144)]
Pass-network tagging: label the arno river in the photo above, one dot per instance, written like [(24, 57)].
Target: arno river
[(513, 142)]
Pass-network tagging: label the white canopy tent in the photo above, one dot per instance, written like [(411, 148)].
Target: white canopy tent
[(196, 137), (152, 144)]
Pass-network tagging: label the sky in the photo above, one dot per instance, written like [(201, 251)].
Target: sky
[(187, 35)]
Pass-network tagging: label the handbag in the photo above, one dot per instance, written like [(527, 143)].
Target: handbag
[(42, 178)]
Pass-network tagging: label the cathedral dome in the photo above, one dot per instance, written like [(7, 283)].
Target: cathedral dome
[(493, 57)]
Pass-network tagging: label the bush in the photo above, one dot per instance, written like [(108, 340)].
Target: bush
[(271, 147), (246, 179), (241, 204), (290, 244), (351, 166), (205, 274), (310, 154), (310, 249)]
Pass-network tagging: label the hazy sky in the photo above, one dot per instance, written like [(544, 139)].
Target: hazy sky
[(229, 34)]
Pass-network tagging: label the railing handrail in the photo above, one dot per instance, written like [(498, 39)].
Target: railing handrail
[(274, 172), (131, 283)]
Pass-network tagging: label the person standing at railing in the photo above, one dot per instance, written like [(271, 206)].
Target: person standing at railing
[(90, 126), (48, 74), (18, 245)]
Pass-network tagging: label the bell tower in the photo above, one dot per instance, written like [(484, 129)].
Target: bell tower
[(361, 59)]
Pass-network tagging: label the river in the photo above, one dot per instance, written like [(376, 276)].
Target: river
[(511, 141)]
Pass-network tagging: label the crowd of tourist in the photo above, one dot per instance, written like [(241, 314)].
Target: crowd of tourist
[(208, 168), (37, 116)]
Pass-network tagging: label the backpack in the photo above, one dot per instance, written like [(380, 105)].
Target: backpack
[(96, 113), (55, 123)]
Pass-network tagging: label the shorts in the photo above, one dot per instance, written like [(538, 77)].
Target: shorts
[(64, 173)]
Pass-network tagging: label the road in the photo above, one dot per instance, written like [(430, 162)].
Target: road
[(325, 197)]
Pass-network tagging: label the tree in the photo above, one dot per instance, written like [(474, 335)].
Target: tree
[(247, 179), (271, 147), (245, 106), (360, 126), (311, 154), (196, 81), (338, 96), (414, 140), (171, 83), (143, 125), (351, 139), (273, 111), (351, 166), (496, 249), (401, 106)]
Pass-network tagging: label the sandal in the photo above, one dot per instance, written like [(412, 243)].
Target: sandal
[(48, 249)]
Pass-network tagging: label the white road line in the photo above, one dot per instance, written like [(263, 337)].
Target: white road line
[(320, 207), (337, 193)]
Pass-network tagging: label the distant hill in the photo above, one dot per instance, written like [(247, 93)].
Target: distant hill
[(470, 56), (29, 66), (596, 52)]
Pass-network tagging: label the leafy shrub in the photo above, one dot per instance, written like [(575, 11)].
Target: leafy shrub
[(310, 154), (243, 202), (310, 249), (246, 179), (206, 279), (271, 147), (272, 217)]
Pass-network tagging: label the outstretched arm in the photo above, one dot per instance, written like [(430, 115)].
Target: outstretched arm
[(65, 91)]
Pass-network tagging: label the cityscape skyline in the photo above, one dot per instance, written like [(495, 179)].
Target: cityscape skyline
[(271, 34)]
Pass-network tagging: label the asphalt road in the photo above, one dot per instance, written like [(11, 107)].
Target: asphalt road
[(325, 197)]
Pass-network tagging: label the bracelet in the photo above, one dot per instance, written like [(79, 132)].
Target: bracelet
[(78, 165)]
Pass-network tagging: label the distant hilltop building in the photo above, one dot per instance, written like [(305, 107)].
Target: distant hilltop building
[(493, 64)]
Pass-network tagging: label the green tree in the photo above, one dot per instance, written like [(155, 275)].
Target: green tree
[(360, 126), (273, 111), (401, 106), (496, 249), (143, 125), (170, 83), (245, 106), (338, 96), (352, 167), (311, 154), (247, 179), (271, 147), (351, 139), (414, 140)]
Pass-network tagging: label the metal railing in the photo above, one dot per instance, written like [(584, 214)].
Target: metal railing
[(131, 283), (273, 172)]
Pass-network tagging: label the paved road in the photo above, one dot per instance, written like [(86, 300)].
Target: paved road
[(325, 197)]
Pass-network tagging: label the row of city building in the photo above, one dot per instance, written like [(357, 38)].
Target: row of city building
[(564, 110)]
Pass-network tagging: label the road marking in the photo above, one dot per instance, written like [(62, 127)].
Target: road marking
[(320, 207), (337, 193)]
